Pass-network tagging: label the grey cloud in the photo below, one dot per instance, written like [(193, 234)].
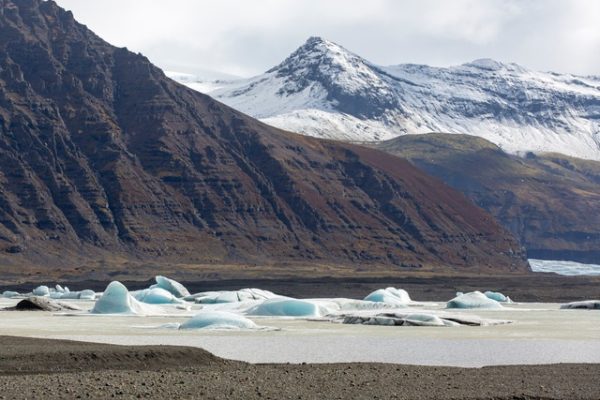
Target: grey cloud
[(244, 37)]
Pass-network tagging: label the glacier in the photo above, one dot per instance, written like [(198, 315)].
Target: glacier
[(567, 268), (472, 300)]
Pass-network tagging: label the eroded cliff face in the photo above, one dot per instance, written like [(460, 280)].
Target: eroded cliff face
[(102, 156), (549, 201)]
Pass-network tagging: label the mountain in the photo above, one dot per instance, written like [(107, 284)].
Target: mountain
[(550, 202), (105, 160), (323, 90)]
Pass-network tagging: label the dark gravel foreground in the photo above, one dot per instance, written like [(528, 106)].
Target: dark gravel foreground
[(54, 369)]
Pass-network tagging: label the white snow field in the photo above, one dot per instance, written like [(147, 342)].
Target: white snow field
[(324, 90), (569, 268), (282, 329)]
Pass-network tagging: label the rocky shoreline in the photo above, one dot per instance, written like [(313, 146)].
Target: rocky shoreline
[(56, 369)]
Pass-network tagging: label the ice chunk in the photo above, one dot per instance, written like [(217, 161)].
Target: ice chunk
[(286, 307), (117, 300), (41, 291), (9, 294), (218, 320), (438, 318), (156, 296), (473, 300), (398, 320), (390, 295), (176, 288), (583, 305), (231, 296), (87, 294), (499, 297)]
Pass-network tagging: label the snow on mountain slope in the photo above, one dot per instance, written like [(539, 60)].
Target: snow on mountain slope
[(326, 91)]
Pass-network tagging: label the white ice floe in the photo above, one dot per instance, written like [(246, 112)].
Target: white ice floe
[(176, 288), (218, 320), (41, 291), (499, 297), (116, 299), (10, 294), (472, 300), (585, 305), (231, 296), (390, 295)]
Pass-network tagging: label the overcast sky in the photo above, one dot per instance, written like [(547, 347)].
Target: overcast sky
[(247, 37)]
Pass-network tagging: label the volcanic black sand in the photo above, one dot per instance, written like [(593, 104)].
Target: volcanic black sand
[(56, 369)]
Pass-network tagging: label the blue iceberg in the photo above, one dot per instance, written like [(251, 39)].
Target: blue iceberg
[(390, 295), (218, 320), (156, 296), (472, 300), (176, 288), (117, 300), (41, 291), (499, 297), (286, 307)]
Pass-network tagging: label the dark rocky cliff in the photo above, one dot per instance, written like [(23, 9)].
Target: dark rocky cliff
[(102, 156)]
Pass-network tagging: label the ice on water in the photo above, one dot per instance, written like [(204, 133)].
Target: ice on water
[(116, 299), (231, 296), (287, 307), (390, 295), (218, 320), (472, 300), (174, 287), (499, 297), (582, 305), (41, 291), (156, 295)]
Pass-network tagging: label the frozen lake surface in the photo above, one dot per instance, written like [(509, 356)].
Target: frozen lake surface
[(541, 333), (568, 268)]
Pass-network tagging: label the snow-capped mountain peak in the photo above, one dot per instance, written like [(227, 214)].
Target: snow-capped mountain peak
[(324, 90)]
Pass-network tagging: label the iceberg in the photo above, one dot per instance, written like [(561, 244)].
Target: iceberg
[(472, 300), (176, 288), (218, 320), (231, 296), (41, 291), (117, 300), (156, 296), (286, 307), (582, 305), (390, 295), (499, 297), (10, 294)]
